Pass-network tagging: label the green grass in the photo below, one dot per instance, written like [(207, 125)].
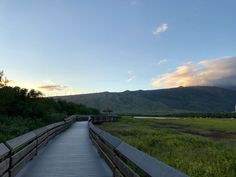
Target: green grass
[(198, 147), (207, 124)]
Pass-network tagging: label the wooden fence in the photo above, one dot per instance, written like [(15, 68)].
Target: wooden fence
[(123, 159), (15, 153), (98, 119), (127, 161)]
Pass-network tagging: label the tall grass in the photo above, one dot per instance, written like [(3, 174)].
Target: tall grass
[(195, 151)]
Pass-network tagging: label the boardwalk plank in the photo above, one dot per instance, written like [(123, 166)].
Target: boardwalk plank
[(70, 154)]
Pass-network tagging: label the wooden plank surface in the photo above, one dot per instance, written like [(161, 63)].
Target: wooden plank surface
[(149, 164), (20, 141), (95, 128), (3, 151), (112, 140), (22, 153), (42, 138), (4, 165), (14, 171), (70, 154), (41, 145), (6, 175), (40, 131)]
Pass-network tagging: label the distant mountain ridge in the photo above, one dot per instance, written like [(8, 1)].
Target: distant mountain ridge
[(164, 101)]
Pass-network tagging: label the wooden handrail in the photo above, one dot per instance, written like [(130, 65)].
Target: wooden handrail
[(4, 159), (15, 153), (118, 153)]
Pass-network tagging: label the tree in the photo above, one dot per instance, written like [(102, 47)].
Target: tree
[(34, 94), (3, 79)]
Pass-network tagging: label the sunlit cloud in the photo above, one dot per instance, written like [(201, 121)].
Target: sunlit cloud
[(22, 84), (160, 29), (131, 77), (49, 88), (217, 72)]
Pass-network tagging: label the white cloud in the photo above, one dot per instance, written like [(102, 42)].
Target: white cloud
[(216, 72), (49, 88), (132, 76), (161, 29), (162, 61)]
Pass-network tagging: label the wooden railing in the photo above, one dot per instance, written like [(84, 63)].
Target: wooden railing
[(123, 159), (127, 161), (15, 153), (103, 118)]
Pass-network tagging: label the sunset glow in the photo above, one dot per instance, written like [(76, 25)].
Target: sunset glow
[(73, 47)]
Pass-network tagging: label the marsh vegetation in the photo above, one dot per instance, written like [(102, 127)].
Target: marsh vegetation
[(198, 147)]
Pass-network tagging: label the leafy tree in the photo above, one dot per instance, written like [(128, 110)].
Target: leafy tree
[(22, 110), (3, 79), (16, 101), (34, 94)]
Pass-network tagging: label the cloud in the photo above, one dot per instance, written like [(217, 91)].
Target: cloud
[(132, 76), (50, 88), (162, 61), (160, 29), (217, 72)]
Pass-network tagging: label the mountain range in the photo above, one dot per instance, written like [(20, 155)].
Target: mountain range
[(163, 101)]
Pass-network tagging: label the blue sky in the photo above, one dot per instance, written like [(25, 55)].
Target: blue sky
[(82, 46)]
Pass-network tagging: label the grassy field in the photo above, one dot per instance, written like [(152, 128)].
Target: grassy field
[(198, 147)]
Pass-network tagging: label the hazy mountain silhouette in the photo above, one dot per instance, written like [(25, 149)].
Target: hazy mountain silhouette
[(174, 100)]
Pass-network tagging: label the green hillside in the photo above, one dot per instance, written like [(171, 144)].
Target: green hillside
[(151, 102)]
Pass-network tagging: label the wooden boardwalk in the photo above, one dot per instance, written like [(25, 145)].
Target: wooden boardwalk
[(70, 154)]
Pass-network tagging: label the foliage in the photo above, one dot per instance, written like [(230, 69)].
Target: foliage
[(22, 110), (3, 79), (198, 147), (16, 101), (11, 127)]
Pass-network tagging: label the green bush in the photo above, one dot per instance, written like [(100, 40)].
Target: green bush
[(23, 110)]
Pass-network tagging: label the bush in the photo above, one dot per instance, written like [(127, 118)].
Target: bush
[(23, 110)]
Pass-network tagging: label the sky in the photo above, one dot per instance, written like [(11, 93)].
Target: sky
[(63, 47)]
